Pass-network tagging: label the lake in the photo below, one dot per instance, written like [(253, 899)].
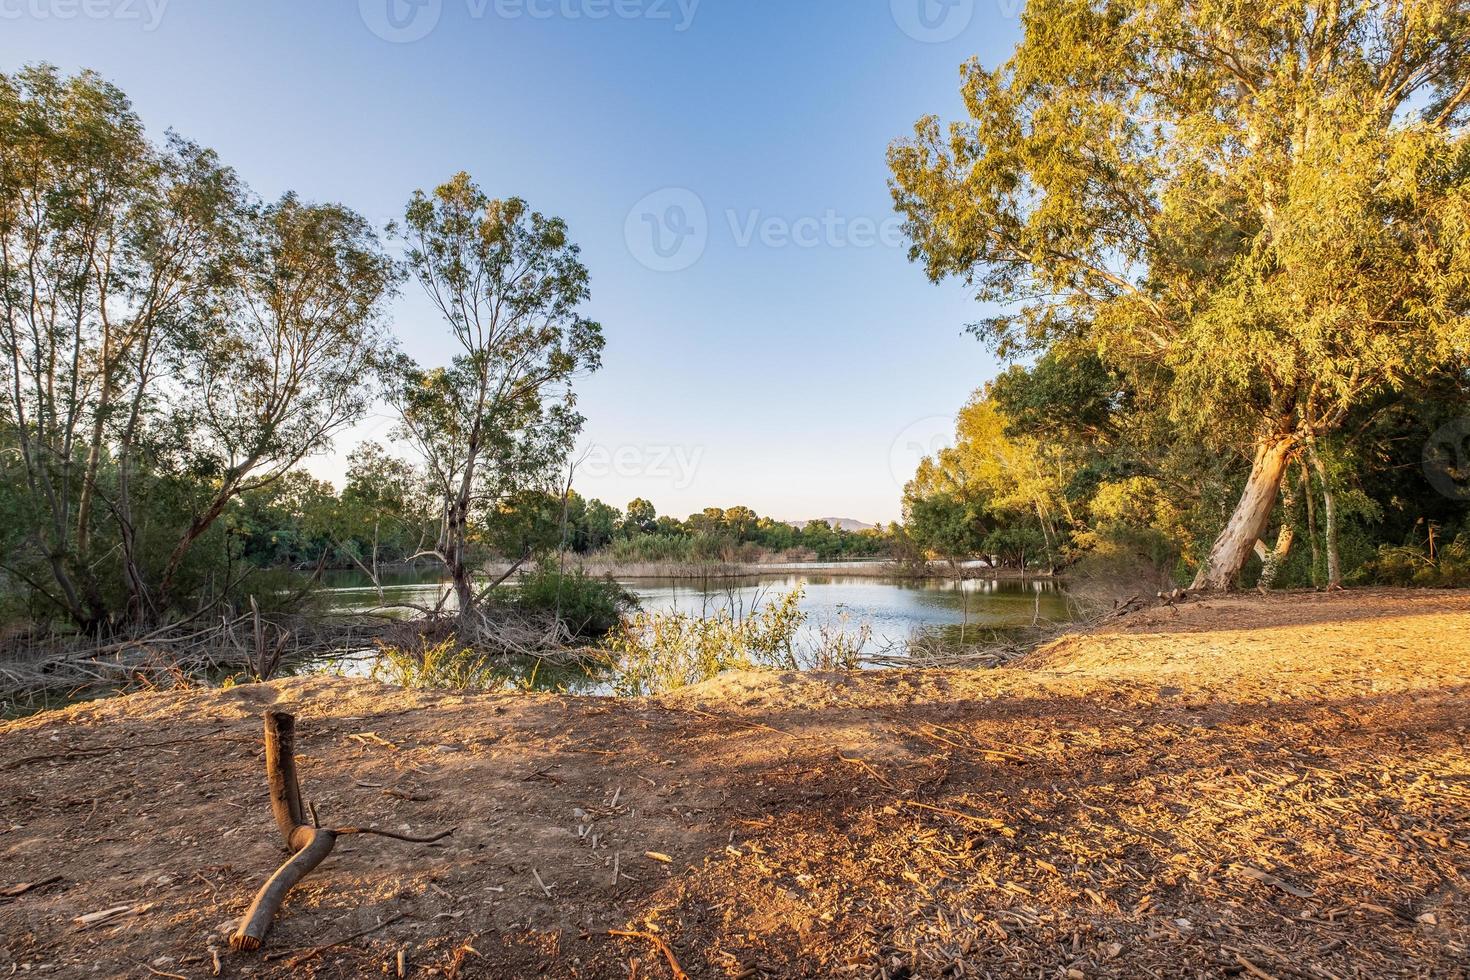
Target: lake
[(896, 610)]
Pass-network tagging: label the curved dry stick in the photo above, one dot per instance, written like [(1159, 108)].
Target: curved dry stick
[(309, 844), (262, 912)]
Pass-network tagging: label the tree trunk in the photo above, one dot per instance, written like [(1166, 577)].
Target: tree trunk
[(1273, 558), (1329, 519), (456, 546), (1234, 546), (1311, 525), (195, 531)]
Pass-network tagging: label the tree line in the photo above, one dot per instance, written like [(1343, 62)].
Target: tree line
[(382, 519)]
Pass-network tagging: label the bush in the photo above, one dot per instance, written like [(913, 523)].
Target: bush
[(589, 607), (656, 652), (437, 666), (1415, 566)]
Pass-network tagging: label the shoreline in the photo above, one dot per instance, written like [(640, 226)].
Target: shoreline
[(876, 568), (1282, 732)]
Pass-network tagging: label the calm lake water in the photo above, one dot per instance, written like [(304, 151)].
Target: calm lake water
[(896, 610)]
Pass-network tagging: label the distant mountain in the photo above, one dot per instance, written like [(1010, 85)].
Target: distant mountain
[(838, 523)]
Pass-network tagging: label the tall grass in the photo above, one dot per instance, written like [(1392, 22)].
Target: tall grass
[(446, 665), (652, 653), (1431, 565)]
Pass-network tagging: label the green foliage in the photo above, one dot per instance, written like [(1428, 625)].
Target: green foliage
[(169, 343), (1242, 225), (651, 653), (994, 493), (589, 607), (1419, 566), (943, 524), (498, 421)]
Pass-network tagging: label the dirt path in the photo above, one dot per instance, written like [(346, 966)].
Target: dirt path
[(1240, 787)]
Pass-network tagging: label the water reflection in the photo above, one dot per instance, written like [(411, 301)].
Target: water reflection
[(895, 611)]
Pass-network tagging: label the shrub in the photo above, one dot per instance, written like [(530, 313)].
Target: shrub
[(1416, 566), (589, 607), (655, 652), (437, 666)]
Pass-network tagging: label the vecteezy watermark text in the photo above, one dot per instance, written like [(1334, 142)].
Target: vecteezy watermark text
[(406, 21), (669, 230), (146, 13), (677, 465)]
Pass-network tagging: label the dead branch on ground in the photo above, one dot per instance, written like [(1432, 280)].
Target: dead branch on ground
[(309, 844)]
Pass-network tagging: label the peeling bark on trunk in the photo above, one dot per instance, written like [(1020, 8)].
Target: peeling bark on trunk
[(1329, 519), (1273, 558), (1237, 541)]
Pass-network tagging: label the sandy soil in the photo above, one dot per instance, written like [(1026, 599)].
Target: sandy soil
[(1239, 787)]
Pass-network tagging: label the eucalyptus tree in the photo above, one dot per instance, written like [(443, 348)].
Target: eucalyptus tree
[(1255, 211), (500, 418), (104, 240), (285, 355)]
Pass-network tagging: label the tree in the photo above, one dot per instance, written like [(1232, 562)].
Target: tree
[(990, 476), (384, 493), (104, 239), (740, 521), (501, 417), (1256, 213), (601, 524), (943, 524), (285, 359), (641, 518), (154, 319)]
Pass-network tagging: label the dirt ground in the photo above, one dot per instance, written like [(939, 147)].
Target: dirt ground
[(1258, 787)]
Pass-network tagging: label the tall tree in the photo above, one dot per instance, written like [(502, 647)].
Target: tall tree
[(1255, 211), (285, 357), (104, 241), (501, 418)]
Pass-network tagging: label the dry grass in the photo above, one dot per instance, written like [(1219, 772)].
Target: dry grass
[(1242, 787)]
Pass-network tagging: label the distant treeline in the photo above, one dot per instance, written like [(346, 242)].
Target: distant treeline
[(378, 519)]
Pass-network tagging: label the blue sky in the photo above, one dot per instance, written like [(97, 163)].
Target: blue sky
[(721, 162)]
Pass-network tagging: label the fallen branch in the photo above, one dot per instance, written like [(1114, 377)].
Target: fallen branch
[(309, 843), (15, 891), (659, 944), (301, 956)]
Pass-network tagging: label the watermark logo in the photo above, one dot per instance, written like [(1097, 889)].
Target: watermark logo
[(401, 21), (923, 439), (933, 21), (668, 230), (146, 13), (406, 21), (827, 230), (1447, 460), (675, 465)]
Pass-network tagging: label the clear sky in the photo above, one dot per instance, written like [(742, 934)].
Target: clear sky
[(721, 162)]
